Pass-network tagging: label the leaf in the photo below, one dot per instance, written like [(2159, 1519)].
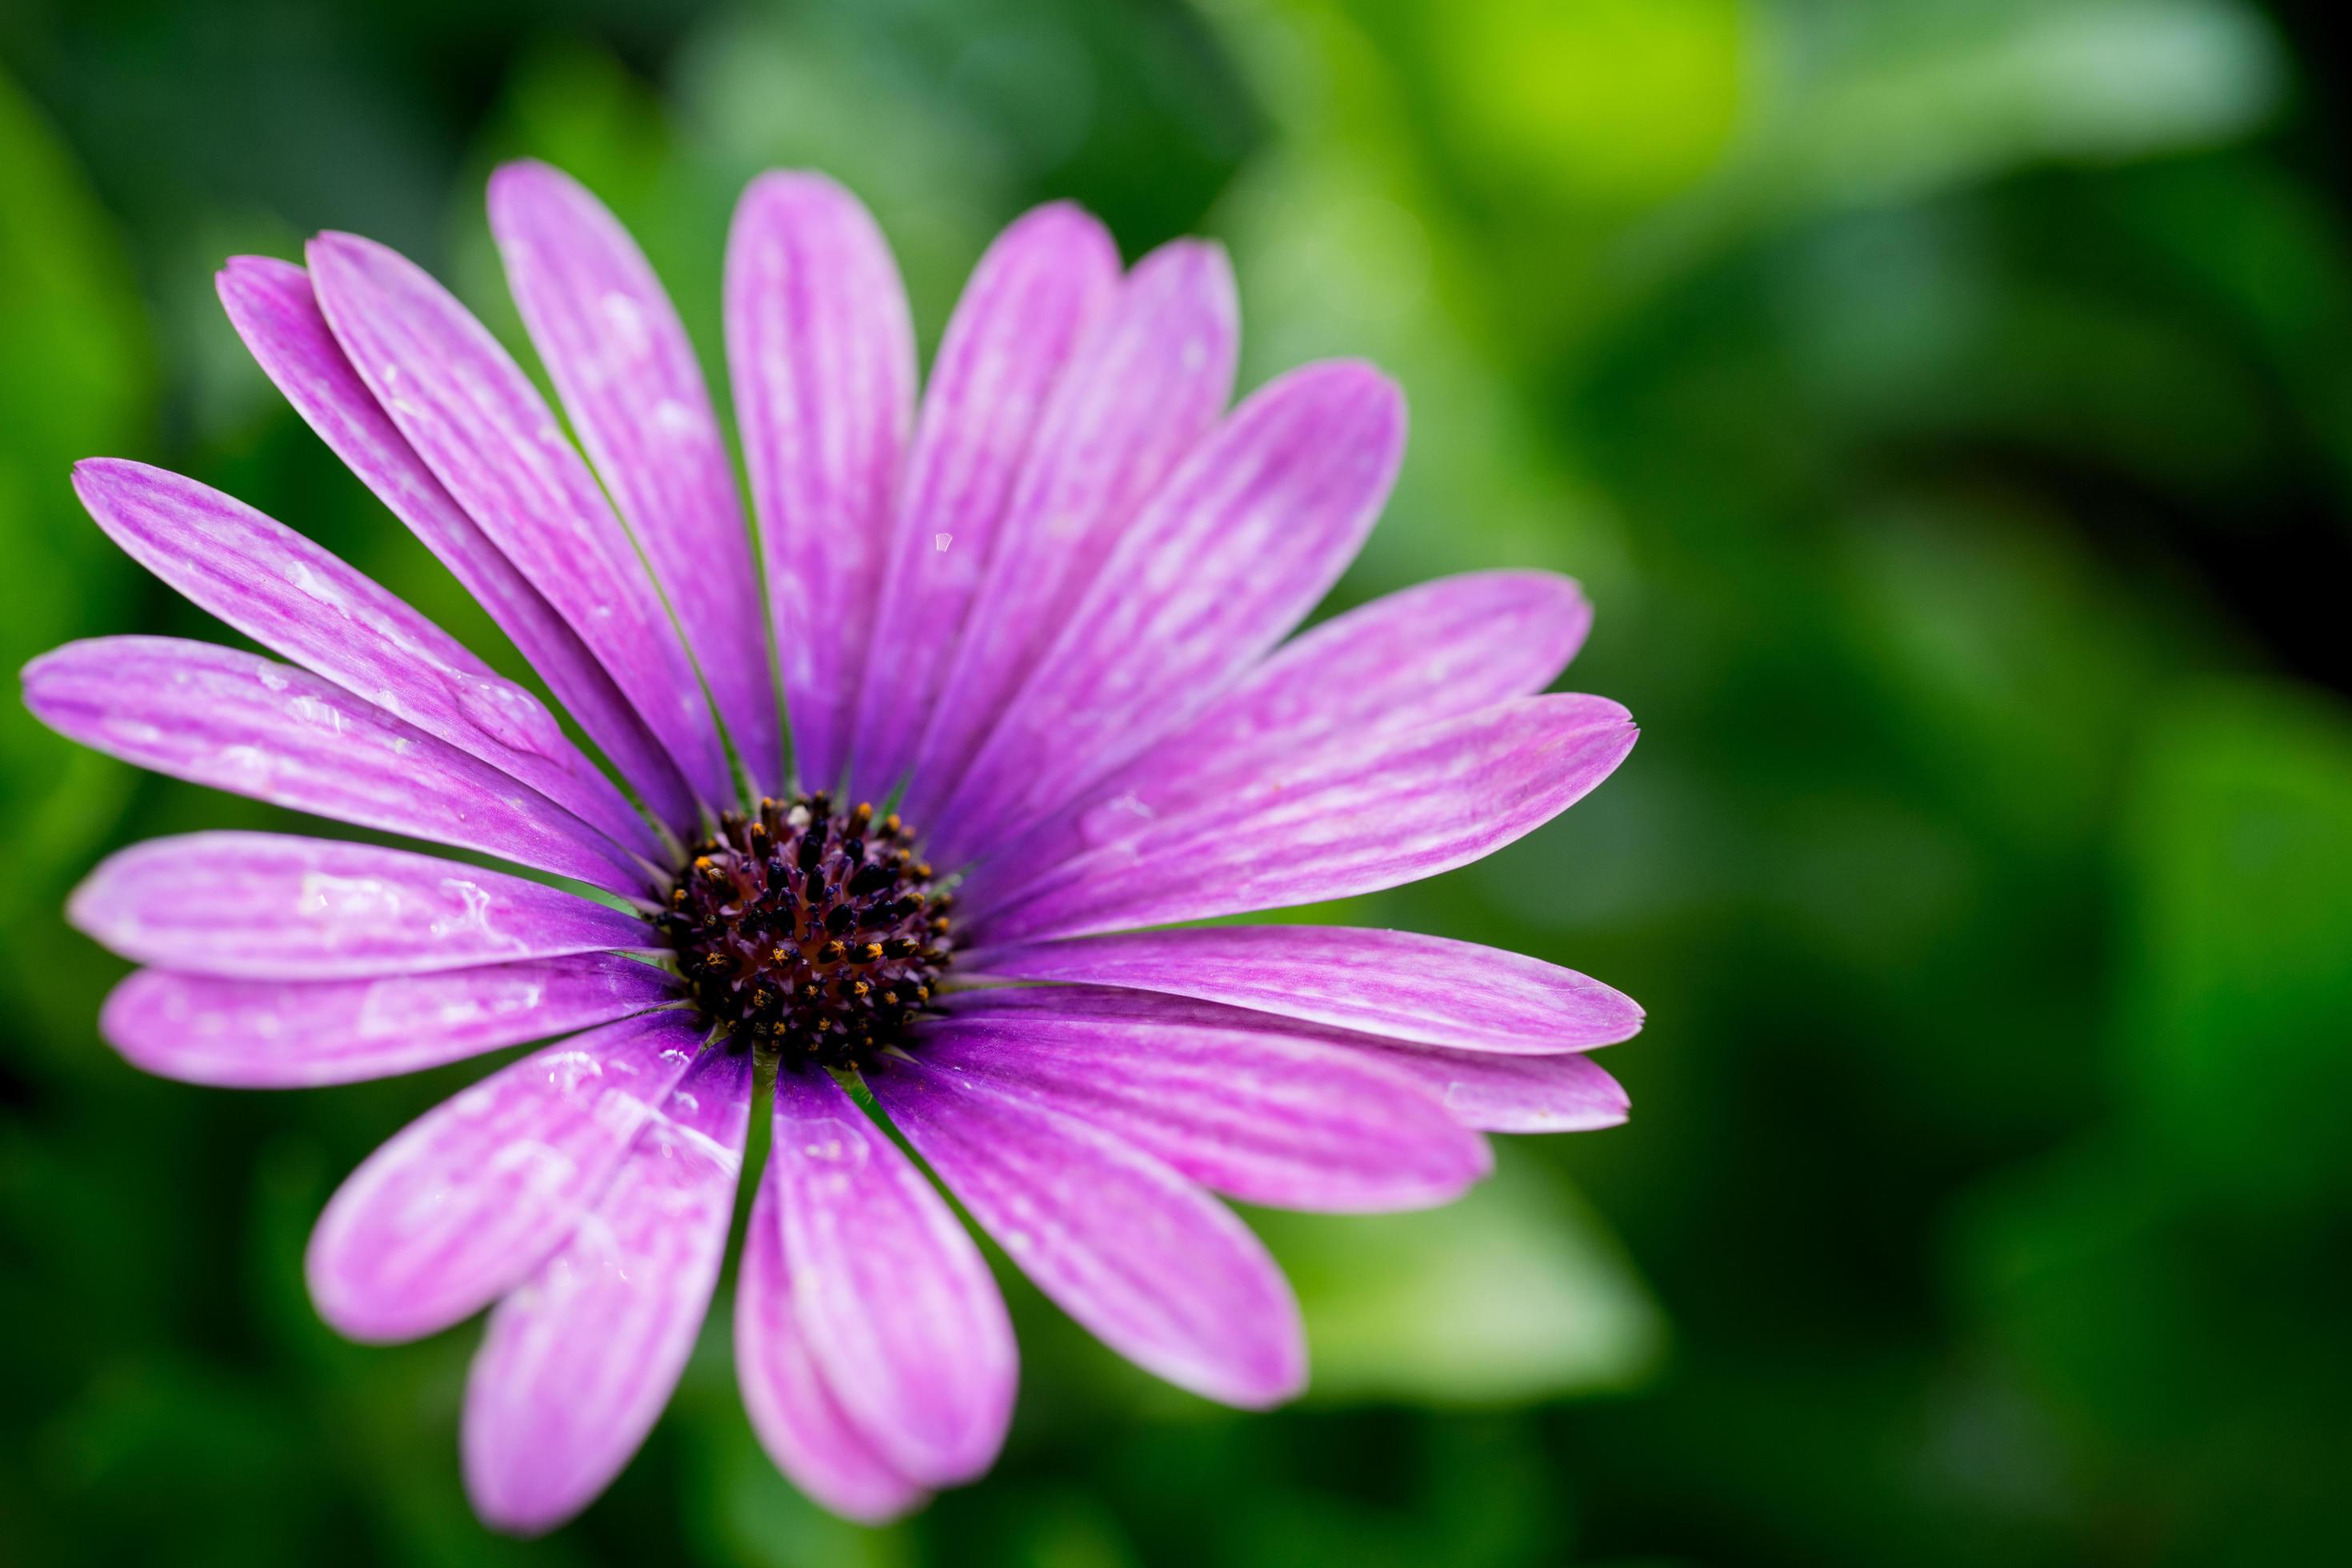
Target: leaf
[(2237, 989), (78, 382), (1516, 1294)]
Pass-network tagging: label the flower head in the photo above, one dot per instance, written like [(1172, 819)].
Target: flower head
[(1034, 696)]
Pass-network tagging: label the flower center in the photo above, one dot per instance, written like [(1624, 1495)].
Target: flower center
[(808, 930)]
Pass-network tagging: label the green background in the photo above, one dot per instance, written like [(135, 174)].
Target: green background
[(1948, 406)]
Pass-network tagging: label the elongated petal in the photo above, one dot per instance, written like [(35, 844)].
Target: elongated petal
[(1027, 304), (239, 722), (1352, 817), (273, 308), (1393, 983), (298, 600), (1414, 658), (621, 361), (799, 1422), (267, 906), (823, 358), (1489, 1091), (477, 422), (897, 1305), (1285, 1121), (1152, 1265), (1496, 1093), (578, 1362), (1230, 554), (278, 1033), (1140, 391), (465, 1202)]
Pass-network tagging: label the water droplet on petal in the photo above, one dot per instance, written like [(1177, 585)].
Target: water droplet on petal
[(1113, 819), (508, 714)]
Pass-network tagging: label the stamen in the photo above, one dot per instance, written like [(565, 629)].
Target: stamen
[(787, 935)]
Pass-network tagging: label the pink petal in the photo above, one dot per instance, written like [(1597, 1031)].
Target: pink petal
[(1398, 983), (898, 1307), (799, 1421), (1152, 1265), (1140, 391), (621, 361), (277, 1034), (1286, 1120), (465, 1202), (295, 599), (1233, 549), (272, 307), (1352, 817), (477, 421), (1496, 1093), (1027, 304), (239, 722), (823, 357), (1429, 653), (266, 906), (579, 1360)]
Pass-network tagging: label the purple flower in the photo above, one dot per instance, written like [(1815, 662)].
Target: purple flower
[(1045, 614)]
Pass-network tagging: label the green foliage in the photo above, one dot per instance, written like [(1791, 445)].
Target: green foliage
[(75, 385), (1948, 406)]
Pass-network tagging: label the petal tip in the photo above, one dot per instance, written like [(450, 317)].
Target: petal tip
[(512, 1497), (352, 1310), (523, 188), (1278, 1383), (334, 253), (1364, 403), (83, 912), (35, 676), (526, 171), (794, 186), (242, 271), (106, 484), (89, 477), (1193, 258)]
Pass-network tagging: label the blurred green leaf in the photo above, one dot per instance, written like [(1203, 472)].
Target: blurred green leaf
[(1936, 397), (1602, 103), (1876, 104), (2236, 1022), (76, 385), (1515, 1294), (1340, 248), (1920, 96), (750, 1514)]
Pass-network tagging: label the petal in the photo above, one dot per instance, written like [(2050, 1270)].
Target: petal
[(273, 311), (897, 1306), (798, 1420), (1285, 1121), (275, 1034), (1141, 390), (267, 906), (465, 1201), (623, 365), (239, 722), (298, 600), (1399, 983), (1428, 653), (1496, 1093), (1245, 540), (1352, 817), (480, 425), (1026, 306), (1152, 1265), (1488, 1092), (823, 358), (579, 1360)]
